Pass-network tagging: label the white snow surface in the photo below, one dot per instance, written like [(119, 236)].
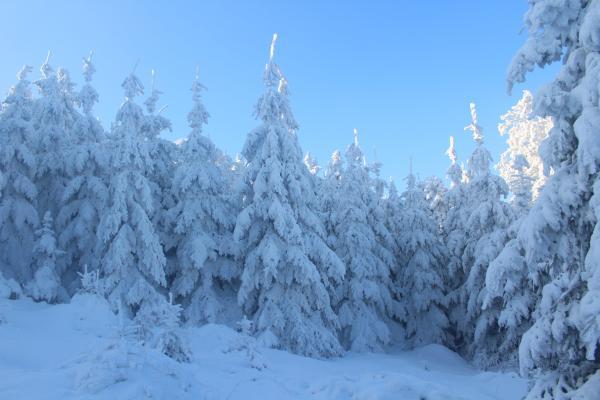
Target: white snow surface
[(67, 351)]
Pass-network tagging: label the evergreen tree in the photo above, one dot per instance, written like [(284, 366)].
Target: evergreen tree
[(393, 216), (54, 118), (560, 235), (132, 261), (18, 195), (164, 155), (384, 240), (131, 258), (286, 259), (455, 238), (521, 163), (486, 232), (422, 278), (203, 219), (365, 302), (46, 285), (329, 196), (395, 219), (85, 194), (159, 326), (393, 208), (509, 290)]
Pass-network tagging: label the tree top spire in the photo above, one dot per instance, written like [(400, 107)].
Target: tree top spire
[(272, 48), (474, 126), (451, 152), (273, 76), (152, 79), (410, 179), (88, 67), (46, 69), (22, 74)]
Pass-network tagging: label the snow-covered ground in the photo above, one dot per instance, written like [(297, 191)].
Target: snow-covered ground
[(70, 351)]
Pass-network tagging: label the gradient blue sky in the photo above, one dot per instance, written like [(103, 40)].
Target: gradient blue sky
[(401, 72)]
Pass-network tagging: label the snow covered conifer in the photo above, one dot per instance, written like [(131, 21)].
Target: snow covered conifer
[(365, 302), (46, 285), (393, 213), (384, 240), (18, 200), (510, 293), (521, 161), (560, 236), (455, 238), (54, 116), (329, 195), (455, 172), (161, 150), (286, 259), (486, 232), (422, 276), (131, 258), (203, 219), (85, 193), (158, 325), (163, 154)]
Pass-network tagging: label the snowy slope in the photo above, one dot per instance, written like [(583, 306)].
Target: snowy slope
[(70, 351)]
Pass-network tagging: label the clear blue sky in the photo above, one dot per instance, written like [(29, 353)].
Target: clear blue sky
[(401, 72)]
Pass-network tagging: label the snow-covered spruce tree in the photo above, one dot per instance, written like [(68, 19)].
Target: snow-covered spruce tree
[(202, 219), (85, 194), (18, 215), (159, 326), (509, 291), (365, 303), (385, 244), (131, 257), (326, 192), (394, 209), (286, 259), (521, 161), (486, 232), (455, 239), (507, 288), (329, 195), (54, 117), (560, 237), (393, 214), (46, 285), (423, 274), (164, 154)]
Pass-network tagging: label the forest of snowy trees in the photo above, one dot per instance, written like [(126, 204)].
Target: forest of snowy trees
[(317, 260)]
